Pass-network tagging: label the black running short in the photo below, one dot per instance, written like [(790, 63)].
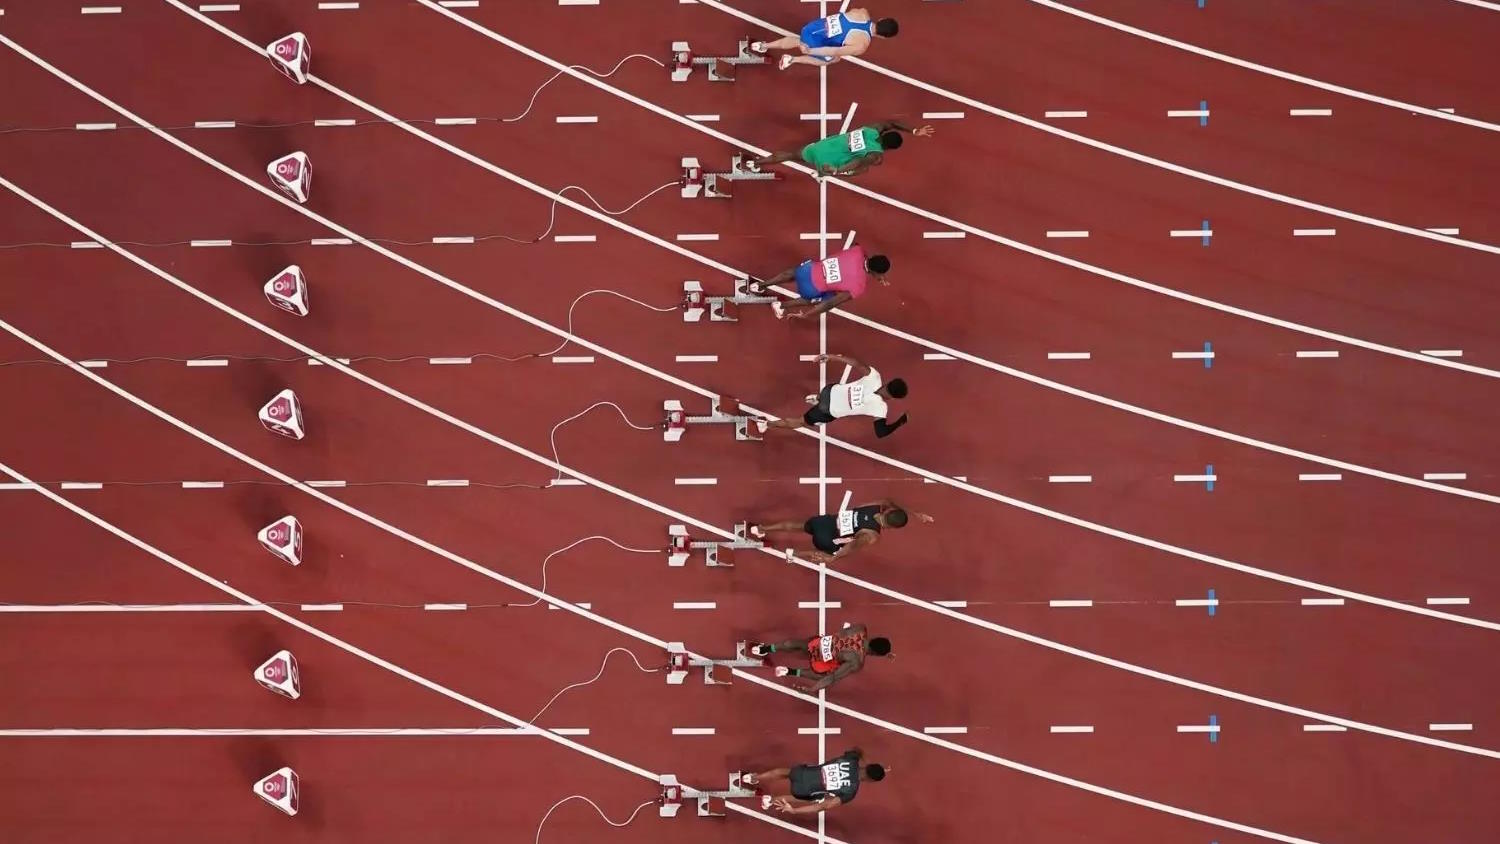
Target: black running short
[(824, 530), (806, 781), (818, 414)]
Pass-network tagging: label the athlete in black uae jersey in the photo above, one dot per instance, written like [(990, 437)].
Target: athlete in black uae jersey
[(817, 788)]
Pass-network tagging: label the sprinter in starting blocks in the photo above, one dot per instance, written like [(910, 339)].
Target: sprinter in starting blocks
[(680, 662), (696, 182), (724, 308), (710, 803), (717, 553), (721, 411), (720, 68)]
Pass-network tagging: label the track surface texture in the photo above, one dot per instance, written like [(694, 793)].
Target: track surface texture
[(1197, 306)]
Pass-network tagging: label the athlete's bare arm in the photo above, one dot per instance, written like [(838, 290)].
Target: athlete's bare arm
[(854, 45), (861, 539), (858, 370), (887, 504), (828, 304), (849, 663), (893, 126), (793, 806)]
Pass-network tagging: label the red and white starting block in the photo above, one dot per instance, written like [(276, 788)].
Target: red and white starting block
[(716, 553), (292, 175), (281, 789), (291, 56), (287, 290), (283, 415), (720, 68), (281, 675), (698, 182), (283, 538), (721, 410), (722, 308), (710, 803), (680, 662)]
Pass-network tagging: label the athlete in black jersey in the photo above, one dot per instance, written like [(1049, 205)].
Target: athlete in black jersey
[(837, 535), (816, 788)]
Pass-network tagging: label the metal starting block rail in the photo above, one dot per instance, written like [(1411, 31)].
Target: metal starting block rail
[(717, 553), (721, 411), (697, 182), (710, 803), (722, 308), (680, 662), (720, 68)]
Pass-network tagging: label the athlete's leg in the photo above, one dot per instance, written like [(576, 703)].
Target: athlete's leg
[(770, 777), (781, 527), (777, 158), (788, 42)]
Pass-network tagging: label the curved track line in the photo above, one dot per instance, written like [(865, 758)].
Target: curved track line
[(615, 356), (1121, 151), (1483, 4), (924, 213), (1271, 71), (642, 502), (371, 658), (675, 248), (573, 608)]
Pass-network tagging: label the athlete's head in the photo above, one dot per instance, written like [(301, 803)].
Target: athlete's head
[(878, 264), (895, 518), (887, 27), (879, 646), (874, 773), (890, 140), (896, 388)]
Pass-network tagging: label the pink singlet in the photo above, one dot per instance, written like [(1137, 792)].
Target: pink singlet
[(842, 271)]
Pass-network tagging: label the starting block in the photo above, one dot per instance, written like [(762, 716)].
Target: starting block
[(722, 308), (716, 553), (291, 56), (288, 291), (720, 68), (281, 675), (679, 662), (710, 803), (292, 175), (283, 415), (721, 410), (698, 182), (281, 789), (283, 538)]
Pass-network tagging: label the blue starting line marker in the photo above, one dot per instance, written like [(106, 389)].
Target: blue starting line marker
[(1213, 603), (1200, 5), (1203, 107), (1208, 355), (1208, 233), (1209, 476), (1213, 721)]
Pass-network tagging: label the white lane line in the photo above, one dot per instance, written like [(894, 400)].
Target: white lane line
[(1260, 68), (908, 207), (207, 362), (692, 731), (311, 732), (445, 607), (1450, 728), (460, 482), (1191, 233), (565, 482), (90, 609), (574, 238), (958, 605), (818, 731), (572, 359), (85, 244), (327, 484), (1311, 112), (812, 480), (942, 115), (697, 358), (338, 7), (1065, 115), (1314, 232), (1194, 479), (944, 235), (202, 484), (1070, 603), (577, 2), (703, 118), (1197, 728), (1070, 729), (819, 117), (220, 7), (584, 604), (449, 361), (1444, 231), (820, 605), (1197, 602), (459, 4), (456, 121), (1445, 476), (937, 356), (1070, 479), (94, 127), (214, 124), (1067, 234), (945, 731), (80, 485), (316, 362), (1443, 353), (693, 605), (1192, 356), (322, 607), (100, 10), (694, 238), (1187, 112), (1324, 728), (1068, 355), (1320, 476), (1322, 602), (1447, 602), (577, 118), (343, 121), (94, 364), (210, 243), (695, 481), (1318, 353), (331, 241), (452, 240)]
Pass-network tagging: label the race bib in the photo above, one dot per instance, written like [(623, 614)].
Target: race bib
[(856, 396), (846, 522), (831, 272), (832, 26), (825, 648), (837, 775), (857, 142)]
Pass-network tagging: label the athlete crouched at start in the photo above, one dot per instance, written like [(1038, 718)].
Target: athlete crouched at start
[(837, 535), (830, 658), (816, 788)]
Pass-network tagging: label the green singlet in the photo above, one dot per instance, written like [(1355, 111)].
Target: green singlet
[(840, 151)]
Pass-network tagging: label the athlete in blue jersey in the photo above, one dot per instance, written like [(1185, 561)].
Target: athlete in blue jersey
[(829, 39)]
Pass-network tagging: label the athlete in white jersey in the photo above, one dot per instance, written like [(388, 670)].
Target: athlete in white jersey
[(864, 393)]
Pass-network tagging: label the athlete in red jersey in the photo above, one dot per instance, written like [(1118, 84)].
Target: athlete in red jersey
[(830, 658)]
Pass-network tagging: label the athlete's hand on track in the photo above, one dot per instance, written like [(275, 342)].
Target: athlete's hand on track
[(924, 518), (923, 131), (804, 49), (828, 170), (781, 804), (819, 557)]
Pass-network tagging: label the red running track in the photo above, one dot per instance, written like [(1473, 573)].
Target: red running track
[(1372, 665)]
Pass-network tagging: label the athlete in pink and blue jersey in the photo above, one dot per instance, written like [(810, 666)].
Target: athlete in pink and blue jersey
[(826, 40), (826, 284)]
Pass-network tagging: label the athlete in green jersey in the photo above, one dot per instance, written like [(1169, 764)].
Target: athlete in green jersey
[(848, 154)]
